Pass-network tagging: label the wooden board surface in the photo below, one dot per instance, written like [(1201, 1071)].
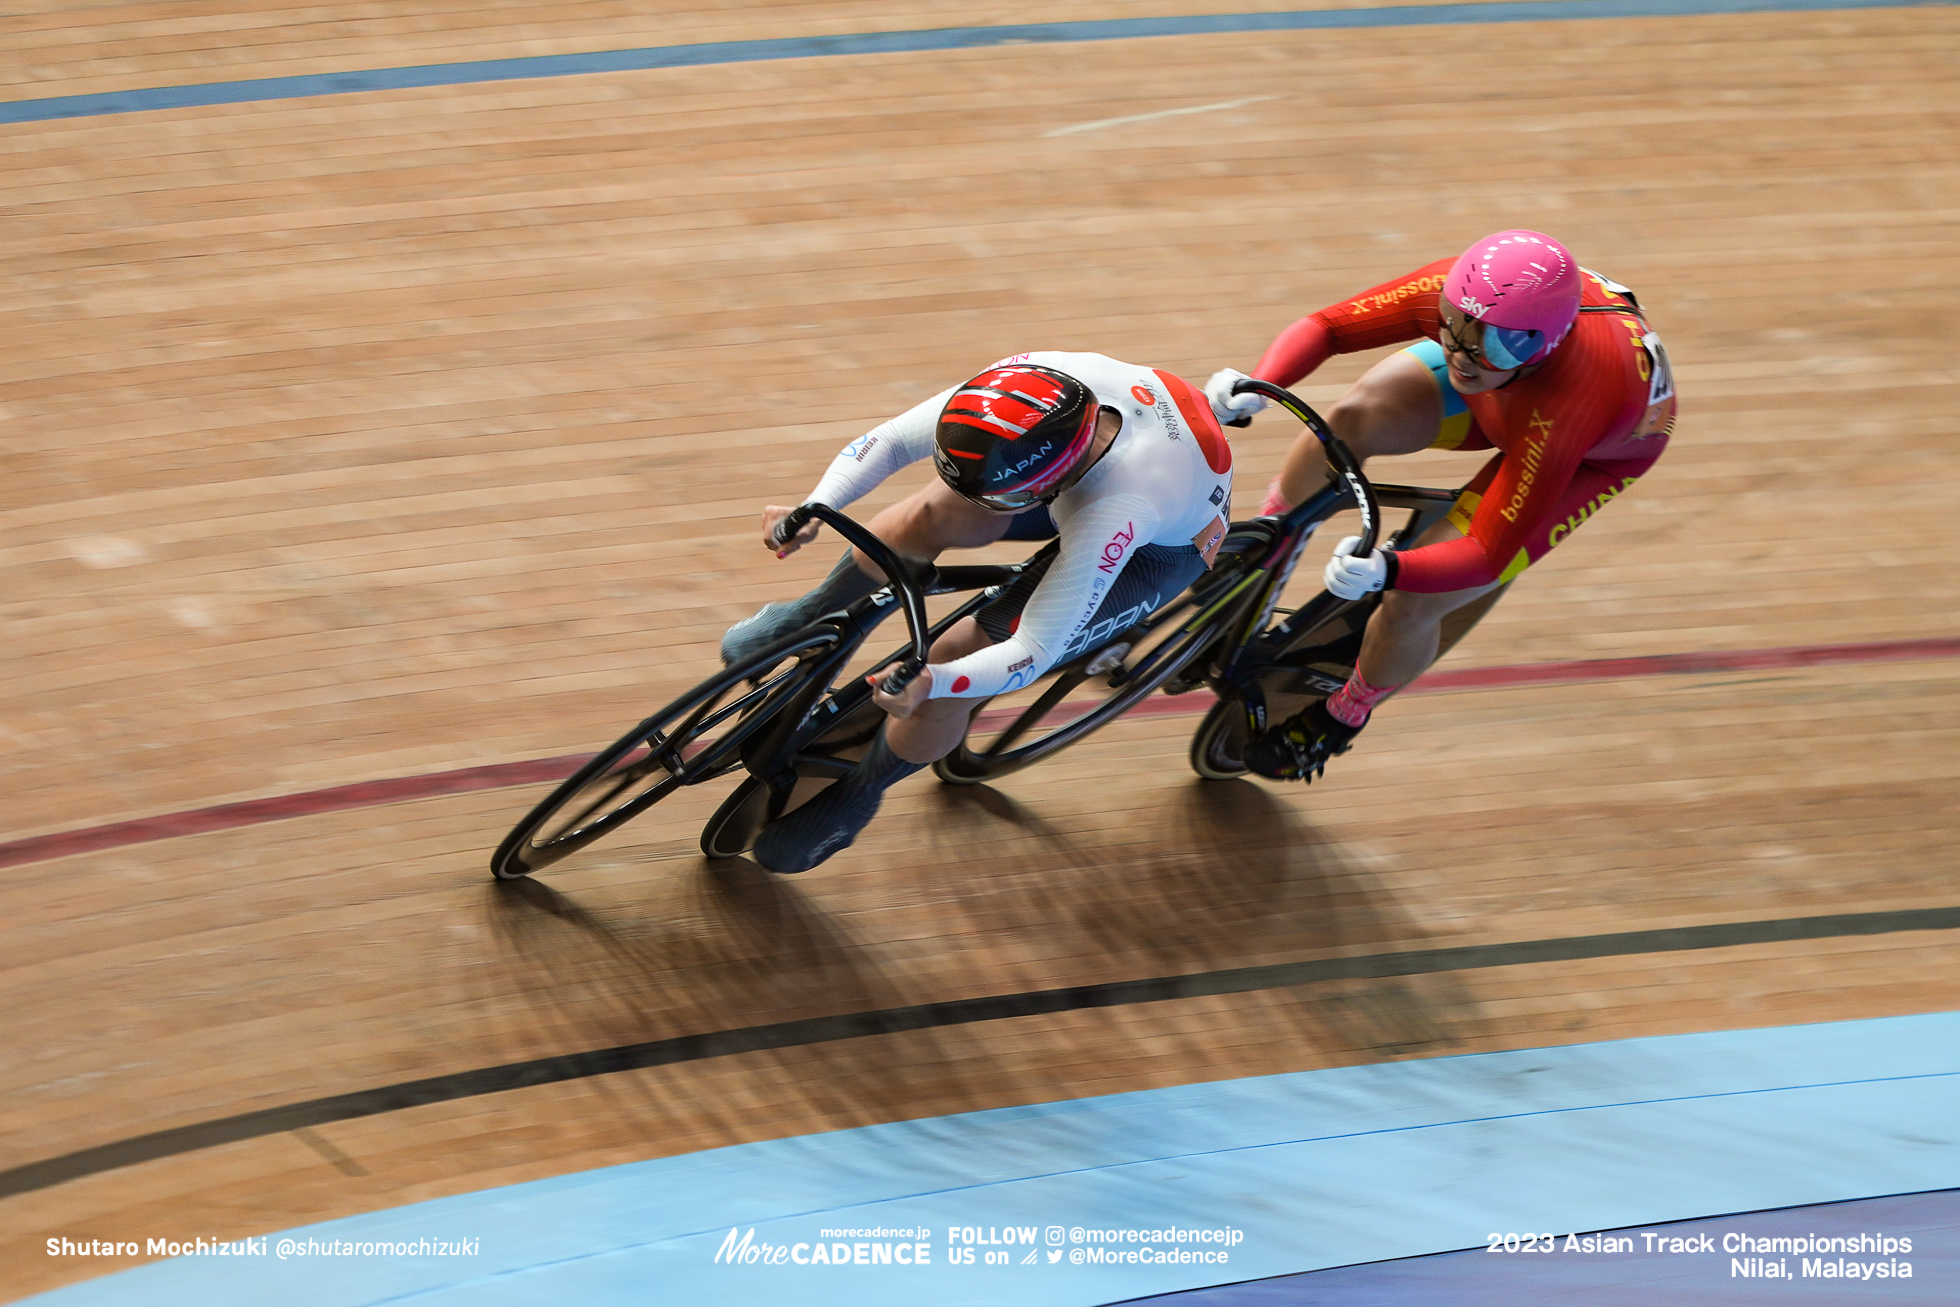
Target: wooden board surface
[(376, 435)]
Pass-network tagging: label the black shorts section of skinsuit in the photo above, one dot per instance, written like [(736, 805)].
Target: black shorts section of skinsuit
[(1155, 573)]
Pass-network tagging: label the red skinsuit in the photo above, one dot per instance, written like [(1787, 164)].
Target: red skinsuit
[(1573, 434)]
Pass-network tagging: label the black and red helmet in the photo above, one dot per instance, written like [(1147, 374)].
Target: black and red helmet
[(1009, 438)]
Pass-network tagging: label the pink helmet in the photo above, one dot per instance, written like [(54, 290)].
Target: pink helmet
[(1524, 287)]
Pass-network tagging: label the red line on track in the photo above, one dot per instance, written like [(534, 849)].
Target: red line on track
[(369, 794), (251, 812)]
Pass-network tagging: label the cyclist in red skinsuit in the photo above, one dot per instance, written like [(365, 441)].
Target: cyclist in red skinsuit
[(1576, 412)]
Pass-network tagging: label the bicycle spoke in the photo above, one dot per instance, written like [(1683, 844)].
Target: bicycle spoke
[(1149, 658), (732, 709), (622, 781), (1063, 686)]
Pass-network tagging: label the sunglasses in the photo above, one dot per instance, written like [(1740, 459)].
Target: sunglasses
[(1010, 501), (1503, 348)]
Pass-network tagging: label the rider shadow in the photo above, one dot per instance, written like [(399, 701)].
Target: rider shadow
[(1213, 877), (760, 954), (722, 949)]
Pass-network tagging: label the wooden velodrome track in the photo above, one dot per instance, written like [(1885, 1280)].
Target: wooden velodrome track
[(370, 436)]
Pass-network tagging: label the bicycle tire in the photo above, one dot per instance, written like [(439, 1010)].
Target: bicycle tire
[(967, 766), (608, 791), (1218, 745)]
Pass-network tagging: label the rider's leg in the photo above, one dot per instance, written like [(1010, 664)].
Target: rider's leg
[(1457, 623), (1404, 637), (921, 525), (829, 822), (1395, 408), (832, 820), (1405, 634), (1409, 631), (937, 725)]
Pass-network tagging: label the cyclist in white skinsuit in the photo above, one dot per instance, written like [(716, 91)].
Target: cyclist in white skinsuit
[(1138, 479)]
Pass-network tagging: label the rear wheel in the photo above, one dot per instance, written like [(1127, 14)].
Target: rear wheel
[(1080, 697), (695, 738), (757, 801)]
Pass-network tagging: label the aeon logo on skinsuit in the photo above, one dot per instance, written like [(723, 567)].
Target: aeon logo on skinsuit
[(1119, 545)]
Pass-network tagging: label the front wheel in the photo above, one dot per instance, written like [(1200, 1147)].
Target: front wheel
[(1316, 662), (1218, 748), (695, 738)]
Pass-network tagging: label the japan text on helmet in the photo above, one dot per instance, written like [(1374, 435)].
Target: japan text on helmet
[(1008, 438), (1524, 287)]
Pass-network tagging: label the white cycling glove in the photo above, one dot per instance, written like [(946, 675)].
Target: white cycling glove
[(1351, 577), (1227, 407)]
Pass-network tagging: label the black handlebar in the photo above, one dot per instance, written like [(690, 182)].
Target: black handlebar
[(904, 584), (909, 588), (1339, 456)]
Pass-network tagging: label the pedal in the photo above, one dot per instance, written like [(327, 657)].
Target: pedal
[(1182, 684), (1109, 660)]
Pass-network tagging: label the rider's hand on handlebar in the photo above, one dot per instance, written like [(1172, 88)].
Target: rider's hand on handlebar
[(774, 514), (1351, 577), (906, 701), (1227, 407)]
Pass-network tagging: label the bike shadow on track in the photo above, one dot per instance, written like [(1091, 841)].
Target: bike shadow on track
[(1209, 876), (989, 896)]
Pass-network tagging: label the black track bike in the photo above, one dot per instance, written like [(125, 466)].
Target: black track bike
[(1220, 634), (788, 720)]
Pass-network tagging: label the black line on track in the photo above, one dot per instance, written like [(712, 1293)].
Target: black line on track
[(924, 1016)]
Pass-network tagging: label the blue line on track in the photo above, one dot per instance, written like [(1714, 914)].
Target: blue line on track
[(1304, 1171), (948, 38)]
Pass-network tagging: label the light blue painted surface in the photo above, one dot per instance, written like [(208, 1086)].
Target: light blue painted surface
[(1319, 1169)]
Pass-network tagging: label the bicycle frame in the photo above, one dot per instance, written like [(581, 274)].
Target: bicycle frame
[(788, 745), (1251, 648), (804, 720)]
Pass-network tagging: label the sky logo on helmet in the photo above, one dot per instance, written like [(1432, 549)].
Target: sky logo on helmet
[(1471, 305)]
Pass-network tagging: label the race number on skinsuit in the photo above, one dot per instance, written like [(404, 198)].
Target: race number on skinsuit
[(1659, 418), (1207, 541)]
